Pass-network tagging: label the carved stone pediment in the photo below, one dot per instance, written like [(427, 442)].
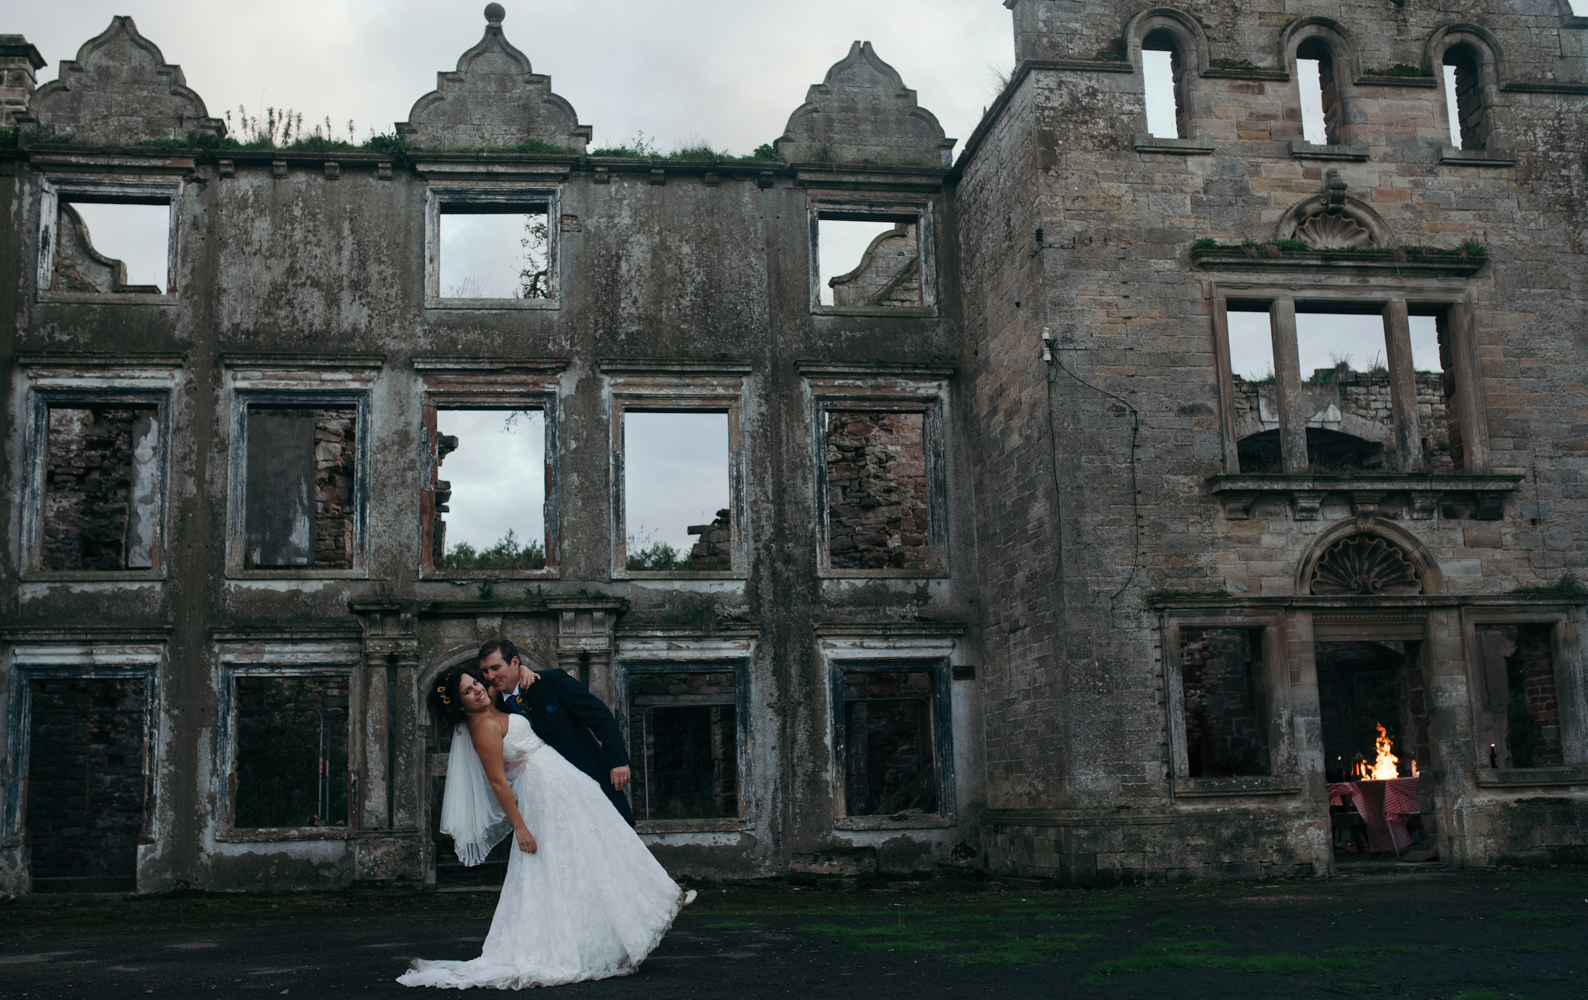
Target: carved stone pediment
[(1332, 220), (119, 91), (863, 113), (493, 100), (1365, 565)]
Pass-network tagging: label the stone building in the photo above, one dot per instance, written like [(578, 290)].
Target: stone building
[(1020, 567)]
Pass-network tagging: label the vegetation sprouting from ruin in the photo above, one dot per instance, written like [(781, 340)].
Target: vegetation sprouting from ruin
[(508, 553)]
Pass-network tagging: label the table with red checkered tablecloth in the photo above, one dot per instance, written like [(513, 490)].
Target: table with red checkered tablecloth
[(1381, 803)]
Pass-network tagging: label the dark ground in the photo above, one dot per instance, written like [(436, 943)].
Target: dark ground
[(1427, 935)]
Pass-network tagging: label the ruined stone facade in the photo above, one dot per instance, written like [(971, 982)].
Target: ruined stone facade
[(1014, 571)]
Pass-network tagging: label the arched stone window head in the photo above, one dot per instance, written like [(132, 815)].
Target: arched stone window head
[(1365, 565), (1164, 84), (1316, 50), (1463, 79)]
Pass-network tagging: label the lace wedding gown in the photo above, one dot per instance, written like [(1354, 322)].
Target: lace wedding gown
[(589, 904)]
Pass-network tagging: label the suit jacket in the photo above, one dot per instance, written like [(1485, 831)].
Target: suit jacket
[(577, 725)]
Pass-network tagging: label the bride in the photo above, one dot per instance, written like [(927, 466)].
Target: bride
[(583, 900)]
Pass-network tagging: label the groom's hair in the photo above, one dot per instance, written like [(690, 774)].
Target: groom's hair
[(503, 646)]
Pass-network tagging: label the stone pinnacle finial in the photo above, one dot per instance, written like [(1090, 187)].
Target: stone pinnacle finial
[(494, 13)]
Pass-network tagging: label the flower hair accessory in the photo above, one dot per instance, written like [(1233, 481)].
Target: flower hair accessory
[(442, 691)]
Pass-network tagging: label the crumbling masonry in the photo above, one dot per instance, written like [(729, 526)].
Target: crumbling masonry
[(1016, 571)]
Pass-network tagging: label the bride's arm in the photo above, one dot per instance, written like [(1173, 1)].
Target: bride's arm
[(487, 739)]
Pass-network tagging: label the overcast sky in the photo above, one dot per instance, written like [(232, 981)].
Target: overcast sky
[(721, 71)]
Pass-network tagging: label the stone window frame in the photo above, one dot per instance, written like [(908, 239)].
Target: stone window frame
[(282, 657), (1570, 694), (343, 382), (893, 208), (1279, 676), (1191, 51), (879, 649), (90, 654), (1345, 62), (667, 651), (115, 190), (920, 389), (504, 194), (680, 387), (490, 384), (50, 380), (1397, 302), (1487, 55)]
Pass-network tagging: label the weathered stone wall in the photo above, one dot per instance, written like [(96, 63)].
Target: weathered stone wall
[(1363, 407), (1121, 283), (1093, 505), (876, 490), (92, 518), (304, 272)]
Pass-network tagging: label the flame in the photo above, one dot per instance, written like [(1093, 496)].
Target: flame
[(1383, 768), (1414, 769)]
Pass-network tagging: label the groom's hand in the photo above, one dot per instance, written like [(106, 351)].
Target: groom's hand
[(620, 778)]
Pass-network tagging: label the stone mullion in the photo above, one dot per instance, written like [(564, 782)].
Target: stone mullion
[(1403, 387), (1287, 386)]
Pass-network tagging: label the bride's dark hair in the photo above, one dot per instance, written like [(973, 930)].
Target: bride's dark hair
[(445, 703)]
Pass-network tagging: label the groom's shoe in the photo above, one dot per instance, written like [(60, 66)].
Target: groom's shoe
[(689, 897)]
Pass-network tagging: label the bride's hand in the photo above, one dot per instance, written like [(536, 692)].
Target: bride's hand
[(526, 840)]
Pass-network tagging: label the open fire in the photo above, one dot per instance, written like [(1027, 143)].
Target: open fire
[(1384, 765)]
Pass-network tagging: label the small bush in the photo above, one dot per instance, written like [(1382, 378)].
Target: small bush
[(507, 553)]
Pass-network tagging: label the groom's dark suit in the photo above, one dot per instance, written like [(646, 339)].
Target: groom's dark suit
[(577, 725)]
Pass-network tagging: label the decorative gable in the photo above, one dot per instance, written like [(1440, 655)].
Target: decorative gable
[(493, 100), (119, 91), (863, 113)]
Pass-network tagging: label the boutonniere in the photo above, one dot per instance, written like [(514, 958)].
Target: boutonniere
[(550, 709)]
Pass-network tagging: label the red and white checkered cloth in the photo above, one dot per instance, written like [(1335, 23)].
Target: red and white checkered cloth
[(1381, 804)]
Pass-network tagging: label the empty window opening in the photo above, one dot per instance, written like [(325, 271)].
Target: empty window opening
[(87, 783), (1322, 115), (1447, 452), (1464, 97), (869, 263), (877, 513), (889, 763), (1256, 403), (683, 730), (491, 503), (1521, 715), (101, 487), (112, 247), (1251, 346), (676, 496), (299, 509), (1346, 390), (1436, 391), (1162, 83), (291, 764), (495, 251), (1226, 727)]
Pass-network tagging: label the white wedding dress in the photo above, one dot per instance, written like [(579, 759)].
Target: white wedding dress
[(590, 903)]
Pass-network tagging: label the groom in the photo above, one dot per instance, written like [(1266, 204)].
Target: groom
[(569, 718)]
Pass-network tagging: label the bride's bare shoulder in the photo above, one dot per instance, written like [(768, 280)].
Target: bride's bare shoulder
[(487, 725)]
